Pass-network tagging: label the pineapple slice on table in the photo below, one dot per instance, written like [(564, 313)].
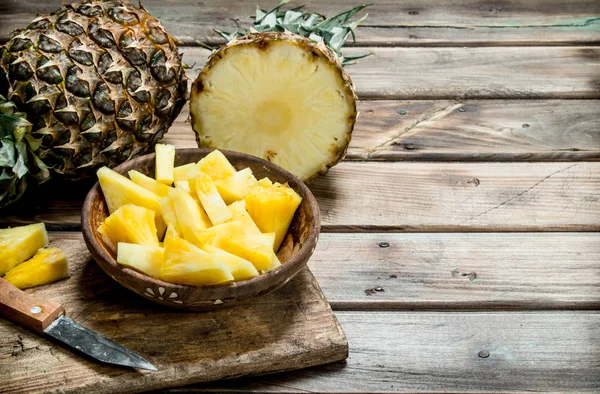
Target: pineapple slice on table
[(143, 258), (188, 265), (191, 218), (18, 244), (46, 266), (256, 248), (215, 165), (239, 214), (272, 207), (148, 183), (209, 197), (236, 186), (180, 172), (130, 224), (165, 163), (240, 268)]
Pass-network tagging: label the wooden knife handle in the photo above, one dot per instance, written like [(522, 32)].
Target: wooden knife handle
[(29, 311)]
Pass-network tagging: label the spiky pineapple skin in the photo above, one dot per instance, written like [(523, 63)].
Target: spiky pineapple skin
[(263, 40), (101, 81)]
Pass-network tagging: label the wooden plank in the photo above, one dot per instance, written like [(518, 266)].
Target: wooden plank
[(411, 196), (406, 23), (448, 352), (443, 271), (474, 130), (467, 73), (193, 347)]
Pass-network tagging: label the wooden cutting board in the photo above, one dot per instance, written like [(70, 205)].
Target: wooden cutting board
[(291, 328)]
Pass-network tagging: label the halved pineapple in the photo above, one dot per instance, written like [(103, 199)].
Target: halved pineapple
[(278, 96), (240, 268), (206, 191), (215, 165), (236, 186), (240, 215), (47, 266), (191, 218), (256, 248), (18, 244), (165, 162), (272, 207), (186, 264), (130, 224), (143, 258), (148, 183), (180, 173)]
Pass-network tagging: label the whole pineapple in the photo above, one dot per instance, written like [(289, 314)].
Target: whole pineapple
[(280, 92), (99, 82)]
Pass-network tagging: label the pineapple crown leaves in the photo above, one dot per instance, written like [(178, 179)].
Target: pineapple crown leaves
[(333, 32), (17, 157)]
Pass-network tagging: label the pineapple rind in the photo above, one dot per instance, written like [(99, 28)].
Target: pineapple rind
[(18, 244), (46, 266)]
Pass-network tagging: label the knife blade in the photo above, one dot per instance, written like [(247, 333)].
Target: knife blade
[(48, 318)]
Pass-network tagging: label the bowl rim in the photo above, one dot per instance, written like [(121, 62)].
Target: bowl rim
[(284, 270)]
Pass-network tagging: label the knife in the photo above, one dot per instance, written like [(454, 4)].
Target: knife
[(48, 318)]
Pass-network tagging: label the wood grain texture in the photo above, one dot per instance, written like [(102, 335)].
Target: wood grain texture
[(428, 22), (467, 73), (440, 353), (287, 329), (447, 271), (405, 196), (472, 130)]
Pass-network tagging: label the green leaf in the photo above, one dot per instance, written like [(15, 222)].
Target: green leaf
[(7, 153), (20, 167)]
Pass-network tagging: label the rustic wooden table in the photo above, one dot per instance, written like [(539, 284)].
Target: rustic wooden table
[(461, 249)]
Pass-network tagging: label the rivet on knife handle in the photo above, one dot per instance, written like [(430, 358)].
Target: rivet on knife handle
[(27, 310)]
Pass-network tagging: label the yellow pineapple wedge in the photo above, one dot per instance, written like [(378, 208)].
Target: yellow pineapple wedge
[(209, 197), (256, 248), (272, 208), (240, 268), (119, 191), (237, 186), (130, 224), (18, 244), (187, 264), (184, 185), (240, 215), (215, 165), (46, 266), (170, 216), (171, 234), (165, 162), (213, 235), (143, 258), (191, 218), (180, 173), (148, 183)]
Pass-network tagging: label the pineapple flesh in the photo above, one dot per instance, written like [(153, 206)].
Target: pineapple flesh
[(241, 215), (241, 269), (18, 244), (130, 224), (186, 264), (119, 191), (256, 248), (143, 258), (215, 165), (278, 96), (165, 159), (180, 172), (191, 218), (46, 266), (209, 197), (235, 187), (149, 184)]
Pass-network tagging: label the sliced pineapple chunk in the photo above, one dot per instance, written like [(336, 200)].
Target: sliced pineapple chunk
[(168, 213), (143, 258), (256, 248), (236, 186), (119, 191), (47, 266), (148, 183), (191, 218), (184, 185), (180, 173), (18, 244), (240, 268), (171, 234), (186, 264), (209, 197), (272, 208), (213, 235), (239, 214), (130, 224), (215, 165), (165, 162)]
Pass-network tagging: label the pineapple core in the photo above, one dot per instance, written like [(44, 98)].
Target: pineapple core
[(17, 244), (47, 266)]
